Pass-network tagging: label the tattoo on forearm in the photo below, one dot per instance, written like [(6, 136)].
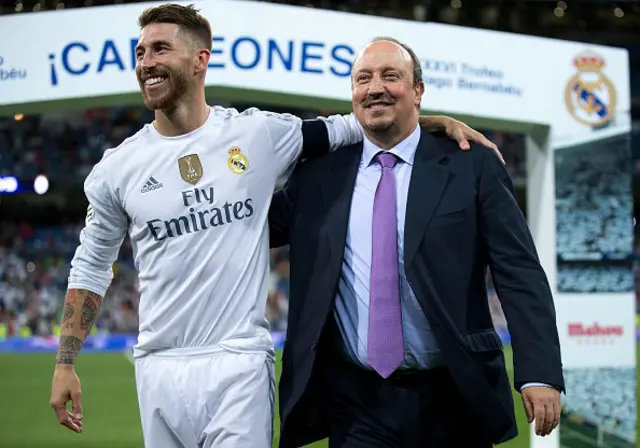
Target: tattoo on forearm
[(68, 312), (89, 314), (69, 348), (76, 326)]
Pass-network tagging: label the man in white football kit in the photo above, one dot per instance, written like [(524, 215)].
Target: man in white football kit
[(192, 190), (195, 207)]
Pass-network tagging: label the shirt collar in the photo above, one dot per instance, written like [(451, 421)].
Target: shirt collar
[(405, 150)]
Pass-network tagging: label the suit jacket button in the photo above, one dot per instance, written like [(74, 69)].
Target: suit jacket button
[(313, 346)]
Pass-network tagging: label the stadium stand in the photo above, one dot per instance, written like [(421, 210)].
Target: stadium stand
[(594, 201), (593, 238), (34, 259), (65, 145), (604, 397), (575, 277), (34, 267)]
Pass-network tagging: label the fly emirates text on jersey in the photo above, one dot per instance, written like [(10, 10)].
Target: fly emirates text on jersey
[(200, 215)]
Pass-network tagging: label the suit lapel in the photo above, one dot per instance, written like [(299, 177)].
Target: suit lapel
[(428, 181)]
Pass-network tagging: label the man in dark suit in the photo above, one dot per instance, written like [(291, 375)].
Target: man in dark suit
[(390, 342)]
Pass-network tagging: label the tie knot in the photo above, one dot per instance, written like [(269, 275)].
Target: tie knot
[(386, 159)]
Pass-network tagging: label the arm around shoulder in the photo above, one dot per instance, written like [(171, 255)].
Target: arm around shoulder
[(292, 139), (326, 134), (519, 279)]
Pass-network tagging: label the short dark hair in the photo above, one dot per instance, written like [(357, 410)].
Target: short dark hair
[(417, 67), (188, 19)]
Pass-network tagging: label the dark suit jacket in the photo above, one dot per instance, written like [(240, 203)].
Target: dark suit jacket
[(461, 218)]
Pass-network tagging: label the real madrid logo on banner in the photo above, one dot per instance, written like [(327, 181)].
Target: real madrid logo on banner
[(237, 162), (590, 96), (190, 168)]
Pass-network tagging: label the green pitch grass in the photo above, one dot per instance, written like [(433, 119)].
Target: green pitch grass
[(111, 417)]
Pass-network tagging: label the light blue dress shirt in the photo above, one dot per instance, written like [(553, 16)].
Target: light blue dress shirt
[(351, 309), (352, 302)]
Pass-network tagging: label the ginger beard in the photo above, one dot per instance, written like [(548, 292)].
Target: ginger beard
[(161, 87)]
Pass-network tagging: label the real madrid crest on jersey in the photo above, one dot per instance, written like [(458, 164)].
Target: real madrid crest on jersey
[(237, 162), (190, 168), (590, 96)]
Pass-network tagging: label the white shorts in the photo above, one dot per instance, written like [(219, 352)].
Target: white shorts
[(224, 399)]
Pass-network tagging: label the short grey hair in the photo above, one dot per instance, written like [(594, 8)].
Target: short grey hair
[(417, 67)]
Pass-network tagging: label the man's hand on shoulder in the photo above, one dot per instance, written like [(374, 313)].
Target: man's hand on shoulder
[(457, 131), (542, 404)]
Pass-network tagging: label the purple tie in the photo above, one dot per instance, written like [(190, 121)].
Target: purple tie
[(385, 341)]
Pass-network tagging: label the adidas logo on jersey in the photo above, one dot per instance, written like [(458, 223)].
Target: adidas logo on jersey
[(151, 185)]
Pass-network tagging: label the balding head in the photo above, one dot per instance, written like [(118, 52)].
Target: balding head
[(416, 67), (387, 90)]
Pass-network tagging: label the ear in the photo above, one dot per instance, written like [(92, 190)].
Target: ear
[(202, 60), (419, 91)]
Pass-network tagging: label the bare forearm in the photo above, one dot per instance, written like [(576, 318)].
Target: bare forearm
[(81, 309)]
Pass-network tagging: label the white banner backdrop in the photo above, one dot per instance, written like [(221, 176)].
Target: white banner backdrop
[(89, 52)]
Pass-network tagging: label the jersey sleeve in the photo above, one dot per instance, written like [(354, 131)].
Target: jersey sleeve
[(285, 138), (343, 130), (100, 239), (292, 138)]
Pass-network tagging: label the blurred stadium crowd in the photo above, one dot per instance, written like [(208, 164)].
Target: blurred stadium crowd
[(595, 241), (593, 223), (34, 259), (594, 229), (34, 267), (604, 396), (594, 200)]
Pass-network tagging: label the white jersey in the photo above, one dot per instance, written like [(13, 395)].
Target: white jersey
[(195, 208)]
